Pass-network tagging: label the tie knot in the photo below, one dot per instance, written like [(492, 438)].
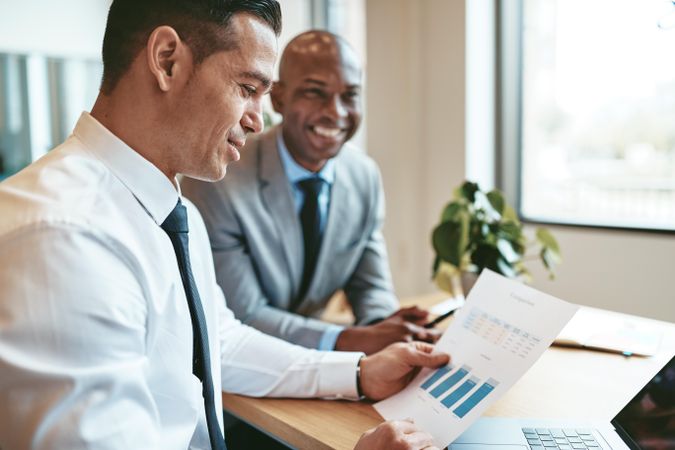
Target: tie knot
[(177, 221), (311, 186)]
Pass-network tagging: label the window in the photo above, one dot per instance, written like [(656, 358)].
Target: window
[(14, 133), (42, 97), (592, 126), (40, 100)]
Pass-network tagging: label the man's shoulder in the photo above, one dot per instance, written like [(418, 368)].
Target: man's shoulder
[(355, 164), (66, 187)]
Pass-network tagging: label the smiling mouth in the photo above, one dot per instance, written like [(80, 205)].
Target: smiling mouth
[(327, 132), (236, 143)]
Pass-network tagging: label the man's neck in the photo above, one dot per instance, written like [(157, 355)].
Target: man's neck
[(128, 124)]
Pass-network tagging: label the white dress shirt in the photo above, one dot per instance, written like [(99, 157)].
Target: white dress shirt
[(95, 332)]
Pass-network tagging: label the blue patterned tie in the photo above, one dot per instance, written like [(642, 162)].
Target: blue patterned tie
[(176, 226)]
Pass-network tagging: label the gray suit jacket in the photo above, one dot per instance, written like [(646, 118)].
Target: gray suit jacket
[(257, 244)]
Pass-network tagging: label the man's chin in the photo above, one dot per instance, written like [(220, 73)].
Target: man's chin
[(211, 176), (325, 147)]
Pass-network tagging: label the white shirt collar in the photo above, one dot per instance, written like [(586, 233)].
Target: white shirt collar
[(153, 190)]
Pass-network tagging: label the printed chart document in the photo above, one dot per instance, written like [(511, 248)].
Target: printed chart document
[(502, 329)]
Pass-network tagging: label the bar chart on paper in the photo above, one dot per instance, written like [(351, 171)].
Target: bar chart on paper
[(457, 389)]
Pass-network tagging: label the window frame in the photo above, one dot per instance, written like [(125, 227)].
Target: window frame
[(509, 118)]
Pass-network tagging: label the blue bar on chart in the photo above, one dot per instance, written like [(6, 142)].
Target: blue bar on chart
[(460, 392), (476, 397), (449, 382), (436, 376)]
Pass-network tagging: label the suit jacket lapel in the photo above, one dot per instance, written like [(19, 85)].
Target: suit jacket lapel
[(339, 217), (278, 199)]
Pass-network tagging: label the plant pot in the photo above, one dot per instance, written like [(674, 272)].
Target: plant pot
[(458, 287), (468, 280), (457, 284)]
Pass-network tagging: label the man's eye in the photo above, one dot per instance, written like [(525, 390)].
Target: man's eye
[(314, 93), (248, 90), (351, 95)]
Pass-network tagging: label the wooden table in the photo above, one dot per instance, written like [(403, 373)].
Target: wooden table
[(564, 383)]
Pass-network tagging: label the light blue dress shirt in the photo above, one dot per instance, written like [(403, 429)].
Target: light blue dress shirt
[(296, 173)]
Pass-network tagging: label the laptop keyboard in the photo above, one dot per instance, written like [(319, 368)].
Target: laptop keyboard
[(560, 438)]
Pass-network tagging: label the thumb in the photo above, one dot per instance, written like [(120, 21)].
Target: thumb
[(423, 354), (414, 315), (414, 312)]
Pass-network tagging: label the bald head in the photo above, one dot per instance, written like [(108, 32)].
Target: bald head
[(314, 46), (319, 96)]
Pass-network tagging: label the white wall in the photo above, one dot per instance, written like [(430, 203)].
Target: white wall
[(632, 272), (75, 27), (71, 28), (415, 99), (417, 118)]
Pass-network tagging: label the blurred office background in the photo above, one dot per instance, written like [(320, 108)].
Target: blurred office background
[(566, 105)]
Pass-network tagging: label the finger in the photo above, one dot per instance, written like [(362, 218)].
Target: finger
[(405, 426), (424, 347), (423, 354), (419, 439), (427, 334), (424, 334)]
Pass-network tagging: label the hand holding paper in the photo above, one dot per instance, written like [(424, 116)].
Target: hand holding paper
[(390, 370), (503, 328)]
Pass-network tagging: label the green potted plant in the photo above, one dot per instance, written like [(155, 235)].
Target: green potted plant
[(479, 230)]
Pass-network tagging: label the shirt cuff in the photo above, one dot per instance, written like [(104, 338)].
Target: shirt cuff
[(329, 338), (337, 375)]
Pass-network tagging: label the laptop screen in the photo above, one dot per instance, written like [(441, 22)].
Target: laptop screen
[(648, 420)]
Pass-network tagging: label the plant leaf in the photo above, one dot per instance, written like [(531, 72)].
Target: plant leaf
[(547, 240), (449, 240), (485, 255), (468, 191), (451, 211), (550, 260), (506, 269), (496, 199), (507, 251), (510, 214), (434, 268), (480, 230)]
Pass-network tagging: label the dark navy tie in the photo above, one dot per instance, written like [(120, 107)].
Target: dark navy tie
[(310, 218), (176, 226)]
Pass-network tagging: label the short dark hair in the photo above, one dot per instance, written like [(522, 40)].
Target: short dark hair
[(202, 24)]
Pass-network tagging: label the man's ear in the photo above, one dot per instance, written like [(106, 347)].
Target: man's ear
[(276, 95), (169, 58)]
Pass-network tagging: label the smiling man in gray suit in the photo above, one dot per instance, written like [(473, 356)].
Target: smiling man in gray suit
[(299, 217)]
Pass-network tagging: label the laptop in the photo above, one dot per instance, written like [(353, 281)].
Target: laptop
[(647, 422)]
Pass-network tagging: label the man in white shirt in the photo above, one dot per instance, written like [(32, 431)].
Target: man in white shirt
[(100, 344)]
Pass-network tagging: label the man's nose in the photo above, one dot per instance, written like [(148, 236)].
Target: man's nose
[(252, 121)]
